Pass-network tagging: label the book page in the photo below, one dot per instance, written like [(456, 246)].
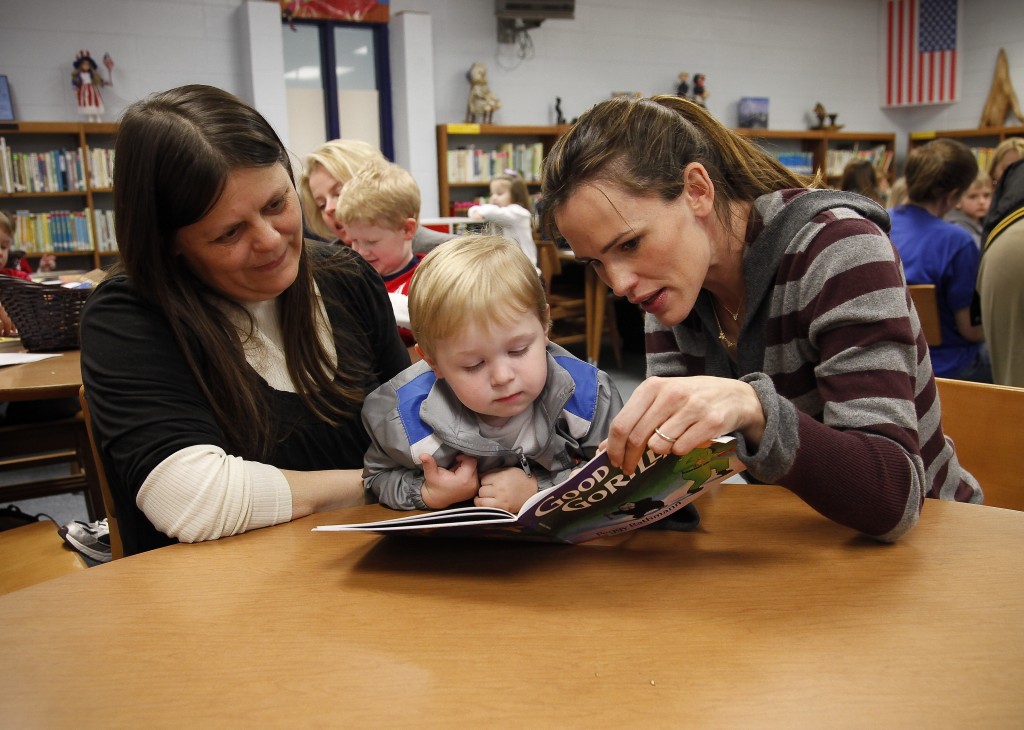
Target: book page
[(597, 501)]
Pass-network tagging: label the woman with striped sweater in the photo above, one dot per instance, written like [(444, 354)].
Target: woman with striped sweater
[(775, 312)]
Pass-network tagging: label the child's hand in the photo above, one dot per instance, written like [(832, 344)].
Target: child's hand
[(505, 489), (444, 487), (48, 262), (7, 328)]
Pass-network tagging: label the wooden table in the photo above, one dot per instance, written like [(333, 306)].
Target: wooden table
[(55, 377), (32, 553), (768, 616)]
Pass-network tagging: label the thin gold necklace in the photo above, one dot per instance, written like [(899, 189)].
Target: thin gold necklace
[(726, 342), (735, 315)]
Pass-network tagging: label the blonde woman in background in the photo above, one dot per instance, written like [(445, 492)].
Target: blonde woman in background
[(326, 170), (898, 193)]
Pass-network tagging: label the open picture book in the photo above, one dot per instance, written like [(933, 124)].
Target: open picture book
[(598, 500)]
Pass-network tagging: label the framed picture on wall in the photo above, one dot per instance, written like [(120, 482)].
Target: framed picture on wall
[(6, 105), (753, 112)]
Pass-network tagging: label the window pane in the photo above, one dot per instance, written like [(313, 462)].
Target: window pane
[(356, 78), (304, 89), (356, 58)]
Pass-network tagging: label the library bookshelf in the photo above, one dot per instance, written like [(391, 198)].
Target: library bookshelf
[(826, 151), (468, 155), (982, 141), (56, 180)]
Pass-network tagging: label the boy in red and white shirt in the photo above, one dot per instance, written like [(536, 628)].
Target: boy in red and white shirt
[(380, 209)]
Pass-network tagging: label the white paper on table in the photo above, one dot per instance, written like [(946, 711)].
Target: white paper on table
[(19, 358)]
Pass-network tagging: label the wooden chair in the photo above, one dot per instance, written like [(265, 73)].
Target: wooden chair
[(569, 309), (983, 420), (27, 448), (32, 554), (96, 466), (927, 305)]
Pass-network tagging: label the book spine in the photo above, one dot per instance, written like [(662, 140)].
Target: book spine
[(81, 170), (62, 167), (6, 183)]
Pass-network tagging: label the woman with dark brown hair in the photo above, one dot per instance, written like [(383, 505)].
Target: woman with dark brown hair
[(775, 312), (226, 360)]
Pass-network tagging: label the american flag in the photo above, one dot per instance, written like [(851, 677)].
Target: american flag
[(920, 52)]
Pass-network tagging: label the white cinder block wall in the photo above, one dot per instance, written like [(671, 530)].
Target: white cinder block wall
[(796, 52), (155, 45)]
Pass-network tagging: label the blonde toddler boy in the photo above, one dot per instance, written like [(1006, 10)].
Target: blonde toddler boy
[(380, 209), (494, 411)]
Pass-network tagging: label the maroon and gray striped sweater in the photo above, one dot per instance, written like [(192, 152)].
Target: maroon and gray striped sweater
[(832, 346)]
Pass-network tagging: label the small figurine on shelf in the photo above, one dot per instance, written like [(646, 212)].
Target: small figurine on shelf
[(481, 105), (700, 93), (559, 117), (683, 88), (87, 81), (822, 115)]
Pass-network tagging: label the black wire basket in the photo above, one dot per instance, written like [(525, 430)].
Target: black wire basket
[(46, 315)]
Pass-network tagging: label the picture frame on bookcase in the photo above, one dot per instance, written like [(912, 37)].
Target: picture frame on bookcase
[(752, 112), (6, 103)]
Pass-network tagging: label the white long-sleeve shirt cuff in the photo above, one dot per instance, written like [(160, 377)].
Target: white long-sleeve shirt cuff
[(400, 305), (202, 493)]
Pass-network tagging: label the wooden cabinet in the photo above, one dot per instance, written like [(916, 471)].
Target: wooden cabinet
[(469, 155), (982, 141), (826, 151), (55, 179)]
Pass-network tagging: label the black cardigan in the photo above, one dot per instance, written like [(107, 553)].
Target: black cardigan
[(146, 405)]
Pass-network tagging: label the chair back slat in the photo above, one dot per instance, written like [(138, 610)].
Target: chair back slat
[(983, 421), (116, 546), (927, 305)]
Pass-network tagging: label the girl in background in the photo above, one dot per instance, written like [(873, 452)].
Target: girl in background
[(861, 176), (511, 211)]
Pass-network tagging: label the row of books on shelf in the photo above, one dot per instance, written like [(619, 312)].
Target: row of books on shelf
[(984, 155), (802, 163), (55, 171), (103, 223), (64, 231), (472, 165), (837, 160), (101, 168)]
